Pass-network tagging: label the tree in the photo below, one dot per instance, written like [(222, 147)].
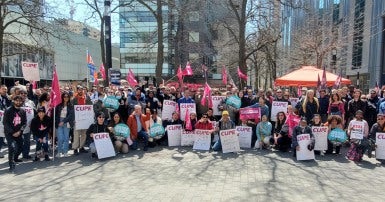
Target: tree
[(26, 23)]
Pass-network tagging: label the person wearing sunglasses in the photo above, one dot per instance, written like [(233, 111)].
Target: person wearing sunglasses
[(98, 127), (64, 121), (204, 123)]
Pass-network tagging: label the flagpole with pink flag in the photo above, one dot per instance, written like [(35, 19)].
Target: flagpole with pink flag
[(55, 100)]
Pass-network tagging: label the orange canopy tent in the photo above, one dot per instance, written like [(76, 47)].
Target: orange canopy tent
[(308, 76)]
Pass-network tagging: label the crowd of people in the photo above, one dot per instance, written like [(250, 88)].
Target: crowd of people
[(27, 114)]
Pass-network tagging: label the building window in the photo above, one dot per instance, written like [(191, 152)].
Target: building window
[(193, 37), (194, 16), (358, 34)]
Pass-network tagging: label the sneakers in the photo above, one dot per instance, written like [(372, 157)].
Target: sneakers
[(46, 158), (76, 152), (58, 155), (65, 155), (82, 150), (18, 160)]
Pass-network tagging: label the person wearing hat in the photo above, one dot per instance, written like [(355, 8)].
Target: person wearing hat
[(224, 124), (40, 126), (302, 128), (98, 127), (14, 121)]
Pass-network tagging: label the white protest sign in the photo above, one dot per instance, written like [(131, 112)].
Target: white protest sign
[(174, 135), (245, 133), (229, 141), (216, 101), (202, 140), (357, 130), (169, 107), (304, 153), (380, 145), (277, 107), (183, 108), (187, 138), (30, 71), (2, 134), (30, 114), (103, 145), (321, 137), (84, 116), (216, 134)]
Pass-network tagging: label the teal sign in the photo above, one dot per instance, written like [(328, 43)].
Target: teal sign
[(122, 130), (156, 130), (337, 135), (234, 101), (111, 102)]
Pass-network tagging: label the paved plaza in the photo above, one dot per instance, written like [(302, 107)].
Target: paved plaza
[(182, 174)]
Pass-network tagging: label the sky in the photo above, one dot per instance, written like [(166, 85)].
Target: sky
[(82, 14)]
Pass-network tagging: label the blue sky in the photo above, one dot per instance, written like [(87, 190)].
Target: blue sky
[(82, 14)]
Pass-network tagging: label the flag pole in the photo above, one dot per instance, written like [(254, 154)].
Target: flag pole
[(53, 134)]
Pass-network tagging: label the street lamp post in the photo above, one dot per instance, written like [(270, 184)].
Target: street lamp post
[(107, 38)]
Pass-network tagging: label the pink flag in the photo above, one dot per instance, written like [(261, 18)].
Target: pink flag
[(242, 75), (179, 74), (187, 71), (204, 97), (34, 85), (207, 95), (299, 92), (131, 78), (292, 121), (96, 81), (188, 120), (224, 75), (337, 83), (102, 71), (55, 92)]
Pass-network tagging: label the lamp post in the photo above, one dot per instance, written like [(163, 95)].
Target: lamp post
[(107, 37)]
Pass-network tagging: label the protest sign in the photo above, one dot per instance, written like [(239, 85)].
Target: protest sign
[(202, 140), (216, 101), (245, 133), (2, 134), (234, 101), (115, 76), (111, 102), (277, 107), (30, 115), (304, 153), (174, 135), (156, 130), (357, 130), (380, 146), (229, 141), (122, 130), (103, 145), (84, 116), (337, 135), (250, 113), (183, 108), (169, 107), (30, 71), (321, 137), (187, 138)]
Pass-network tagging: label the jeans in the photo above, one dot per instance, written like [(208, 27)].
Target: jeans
[(142, 135), (1, 142), (217, 145), (40, 145), (26, 144), (15, 146), (63, 135)]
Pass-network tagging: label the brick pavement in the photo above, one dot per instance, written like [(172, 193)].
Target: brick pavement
[(181, 174)]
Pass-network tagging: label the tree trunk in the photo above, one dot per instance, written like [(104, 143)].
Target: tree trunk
[(242, 41), (160, 57)]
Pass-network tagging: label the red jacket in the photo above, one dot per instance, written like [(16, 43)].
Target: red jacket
[(131, 122), (204, 126)]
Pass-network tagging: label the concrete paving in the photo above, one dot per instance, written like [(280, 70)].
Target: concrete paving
[(181, 174)]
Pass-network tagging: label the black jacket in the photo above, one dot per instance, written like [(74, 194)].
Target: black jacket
[(70, 118), (14, 120), (40, 128), (96, 128)]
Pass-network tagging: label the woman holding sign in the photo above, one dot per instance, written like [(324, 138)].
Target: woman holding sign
[(98, 127), (119, 141), (281, 137), (302, 128)]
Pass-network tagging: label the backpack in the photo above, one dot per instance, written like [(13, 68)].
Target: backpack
[(354, 153)]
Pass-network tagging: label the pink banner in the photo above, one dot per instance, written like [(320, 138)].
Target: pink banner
[(250, 113)]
